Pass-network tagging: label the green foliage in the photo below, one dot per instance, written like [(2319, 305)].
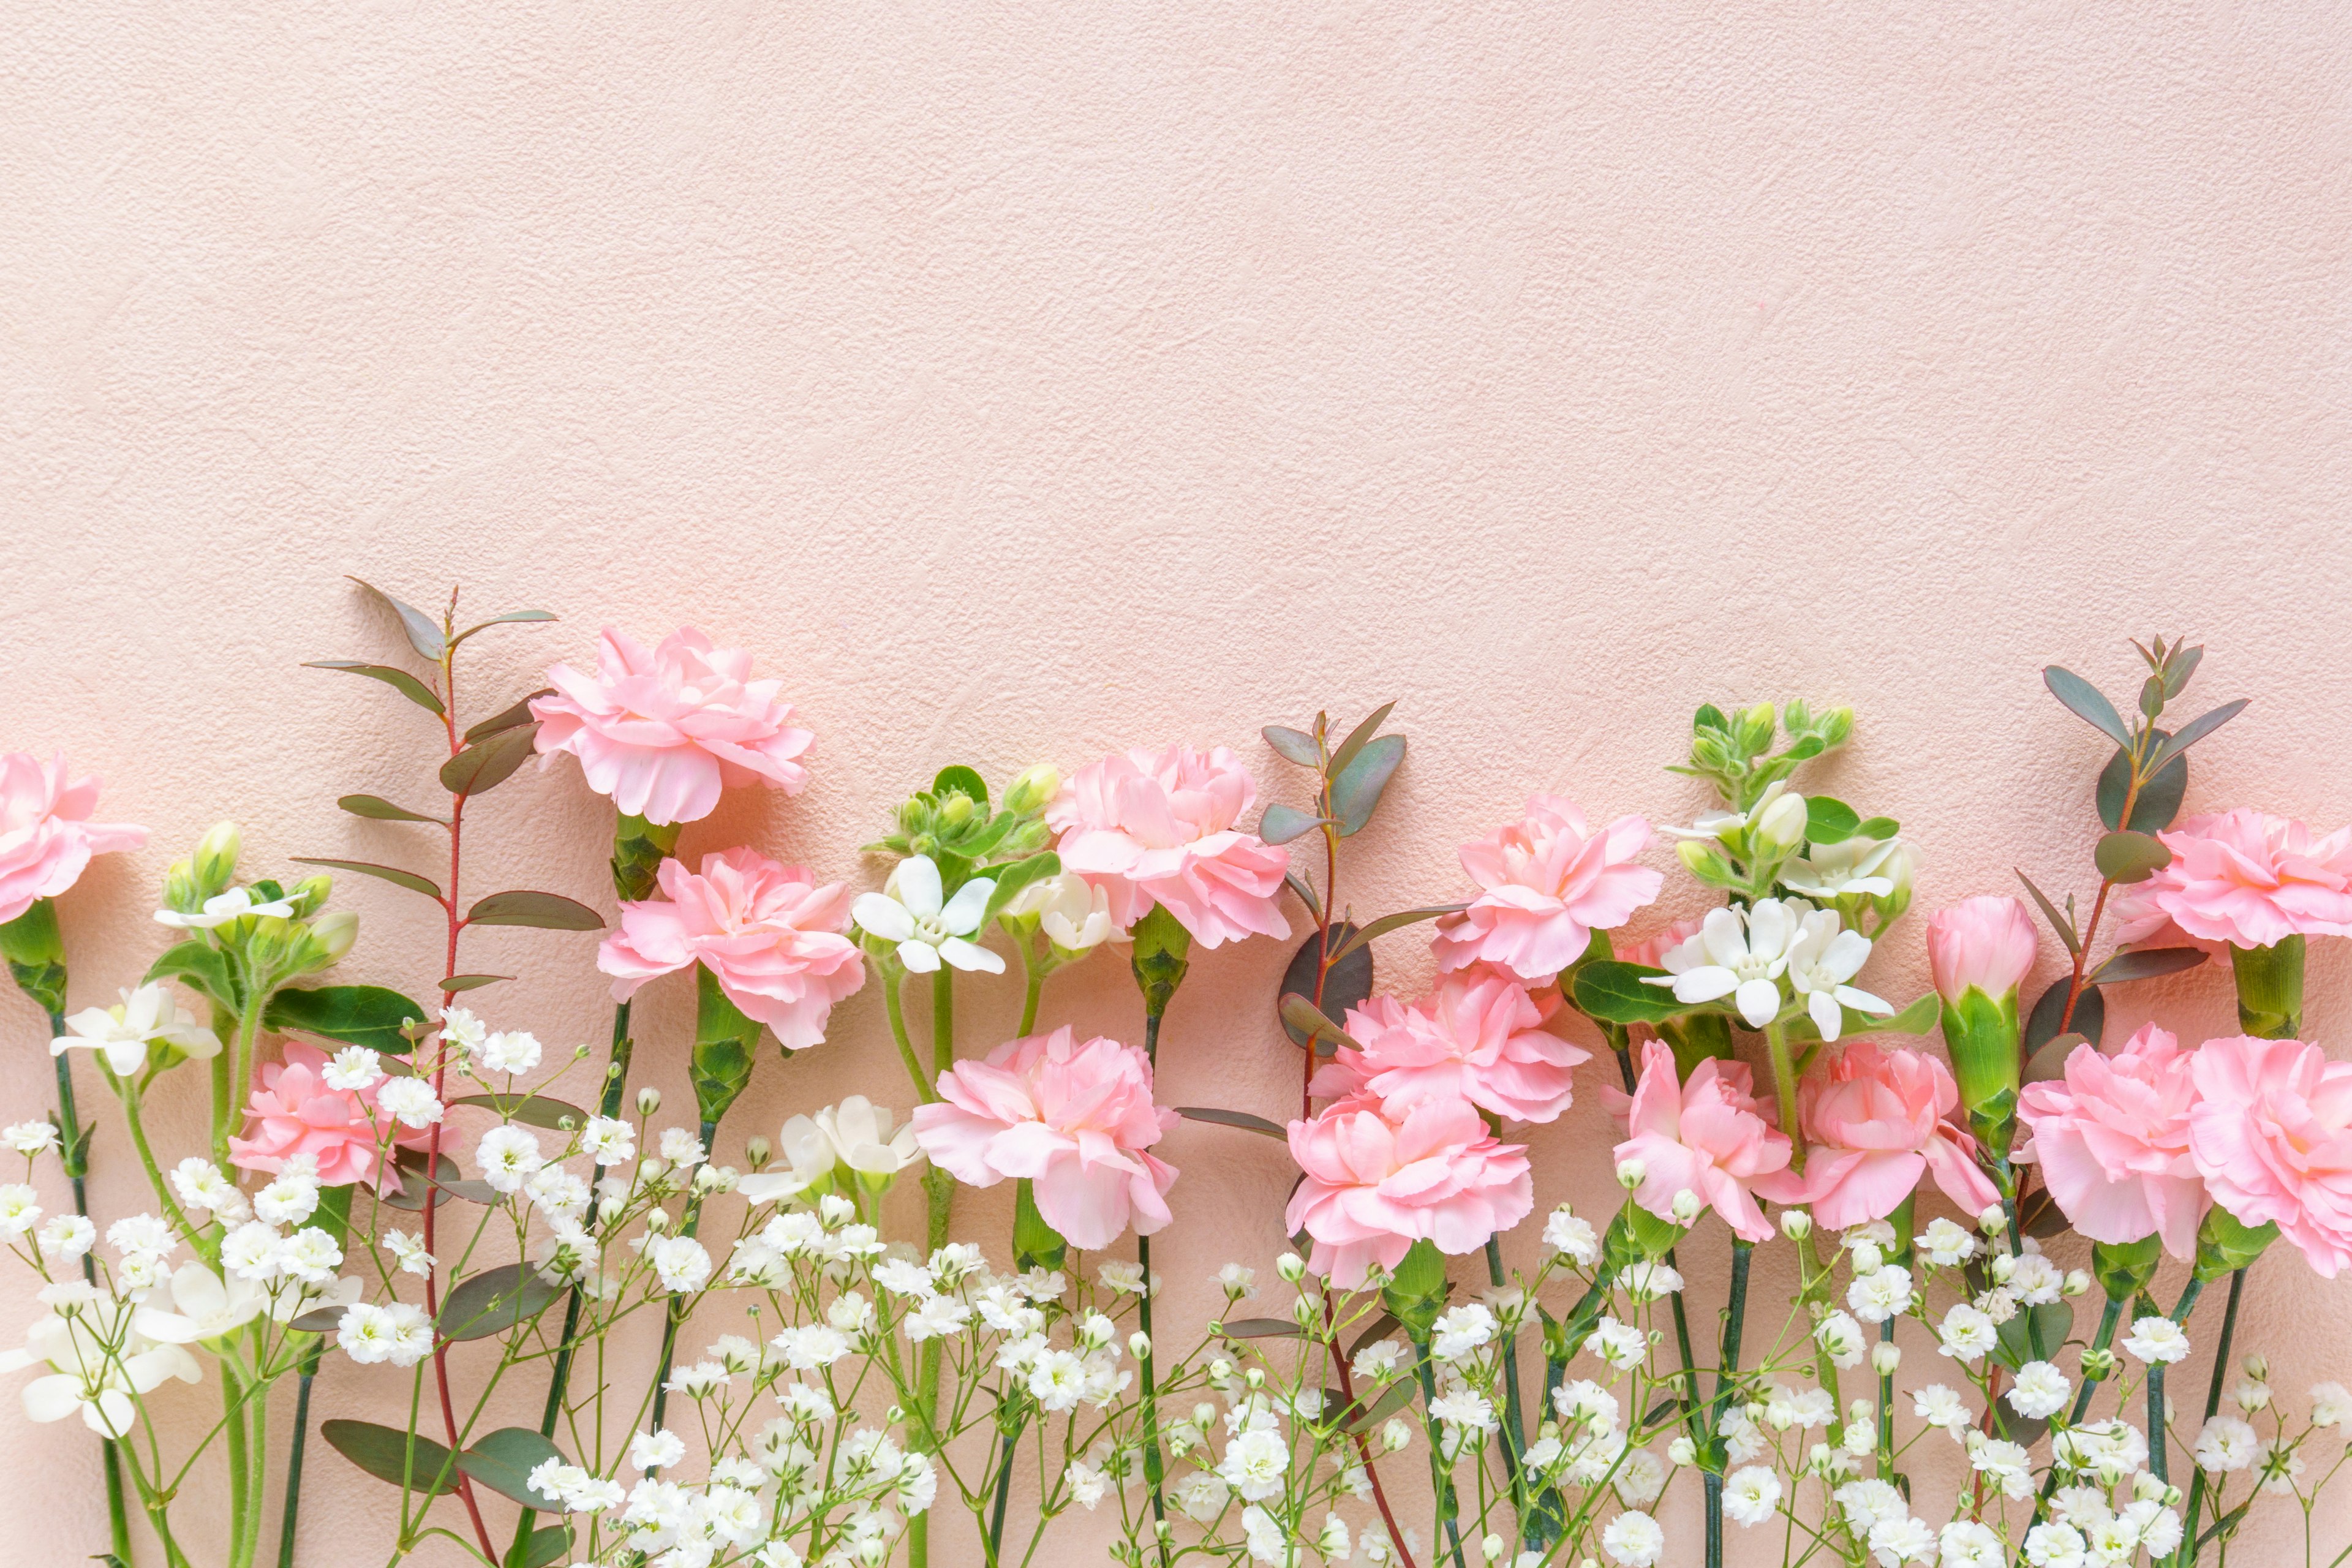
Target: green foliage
[(1734, 753)]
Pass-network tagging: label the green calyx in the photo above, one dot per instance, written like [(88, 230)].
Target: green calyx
[(724, 1042), (1416, 1292), (638, 850), (35, 952), (1162, 951), (2270, 988), (2224, 1245), (2124, 1269), (1035, 1244), (1982, 1035), (1637, 1236)]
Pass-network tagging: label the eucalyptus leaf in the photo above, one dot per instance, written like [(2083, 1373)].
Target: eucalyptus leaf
[(1280, 824), (510, 717), (2128, 857), (2086, 701), (2147, 963), (424, 631), (318, 1321), (472, 982), (1360, 738), (2048, 1062), (1293, 745), (533, 1110), (1357, 791), (512, 617), (2197, 729), (2090, 1019), (503, 1461), (1398, 922), (389, 1454), (1919, 1018), (1301, 1017), (1258, 1329), (378, 809), (494, 1302), (490, 761), (545, 911), (547, 1547), (2060, 923), (400, 680), (1241, 1119), (393, 874), (1298, 886), (1398, 1396), (1346, 986), (2160, 797)]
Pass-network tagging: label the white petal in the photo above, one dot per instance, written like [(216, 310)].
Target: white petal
[(1705, 983), (1847, 953), (1827, 1019), (1725, 939), (970, 955), (1862, 1001), (125, 1056), (112, 1415), (53, 1398), (1758, 1002), (963, 912), (885, 917), (919, 957), (1770, 928), (915, 883)]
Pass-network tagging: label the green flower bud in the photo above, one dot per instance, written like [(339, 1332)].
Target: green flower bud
[(214, 863), (1706, 862), (180, 889), (1781, 827), (311, 894), (1032, 791), (332, 934)]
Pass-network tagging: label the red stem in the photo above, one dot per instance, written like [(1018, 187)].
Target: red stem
[(1364, 1443)]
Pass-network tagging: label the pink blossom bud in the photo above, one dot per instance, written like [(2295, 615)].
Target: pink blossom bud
[(1986, 943)]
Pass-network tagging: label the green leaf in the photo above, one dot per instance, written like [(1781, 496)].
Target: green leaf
[(319, 1319), (2125, 855), (1358, 737), (2090, 1019), (376, 808), (1016, 875), (546, 912), (1280, 824), (1614, 993), (533, 1110), (471, 982), (443, 1185), (547, 1546), (1384, 1323), (2086, 703), (1306, 894), (1258, 1329), (1301, 1017), (368, 1015), (199, 967), (1357, 791), (1293, 745), (1346, 986), (503, 1461), (393, 874), (1395, 1397), (2196, 730), (511, 617), (494, 1302), (957, 779), (510, 717), (491, 762), (392, 1455), (400, 680), (1919, 1018), (1241, 1119), (2147, 963), (2160, 797), (1880, 828), (1829, 821), (2053, 1320), (2048, 1063), (1397, 921), (424, 631), (2058, 923)]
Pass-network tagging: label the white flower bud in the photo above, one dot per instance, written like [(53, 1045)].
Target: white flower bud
[(1254, 1377), (2077, 1280), (1491, 1548), (648, 1100), (756, 1152), (2258, 1367), (1633, 1172), (1682, 1451), (656, 1220), (1395, 1435), (1866, 1257), (1994, 1220), (1782, 826), (1885, 1357), (1796, 1223), (1139, 1344), (1687, 1206), (1291, 1267)]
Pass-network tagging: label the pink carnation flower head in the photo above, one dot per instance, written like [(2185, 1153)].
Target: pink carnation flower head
[(1074, 1119), (1987, 943), (45, 835), (663, 730), (2112, 1140), (2244, 878), (1546, 883), (1651, 951), (767, 934), (1380, 1178), (1479, 1037), (294, 1112), (1157, 828), (1874, 1122), (1710, 1136), (2272, 1134)]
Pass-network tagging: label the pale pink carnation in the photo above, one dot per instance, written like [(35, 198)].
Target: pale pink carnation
[(1157, 828), (2112, 1140), (2272, 1135), (1651, 951), (46, 834), (1380, 1178), (663, 730), (1710, 1136), (769, 933), (2244, 879), (1478, 1036), (1075, 1120), (1546, 884), (1875, 1123), (294, 1112), (1985, 942)]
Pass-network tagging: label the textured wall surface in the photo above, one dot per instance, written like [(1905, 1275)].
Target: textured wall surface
[(1024, 383)]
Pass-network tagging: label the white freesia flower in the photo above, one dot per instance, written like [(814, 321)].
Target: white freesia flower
[(1821, 959), (97, 1369), (123, 1033), (1074, 914), (1851, 865), (204, 1307), (910, 911), (223, 908), (1738, 955)]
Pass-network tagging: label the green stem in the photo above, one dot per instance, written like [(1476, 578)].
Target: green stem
[(1514, 1435), (939, 1198), (118, 1518), (2108, 1316), (1155, 1466), (1441, 1477), (294, 1464), (1727, 1378), (239, 1461), (1033, 976), (1003, 1496), (2188, 1553), (225, 1108), (676, 1316), (2158, 1460)]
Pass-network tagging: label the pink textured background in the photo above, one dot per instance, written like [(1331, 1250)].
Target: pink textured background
[(1024, 383)]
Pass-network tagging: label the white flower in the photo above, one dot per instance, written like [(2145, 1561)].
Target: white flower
[(123, 1033), (809, 1346), (2040, 1391), (1263, 1535), (1840, 1336), (1879, 1295), (1378, 1362), (936, 1319), (1464, 1407), (1751, 1496), (411, 1101), (1966, 1544), (681, 1148), (461, 1028), (29, 1138), (66, 1238), (2034, 1280), (507, 1155), (1254, 1462), (20, 1209), (679, 1263), (2330, 1404), (1641, 1477), (352, 1069), (92, 1376), (1820, 961), (2114, 1539), (1622, 1345), (138, 1234), (1787, 811), (2226, 1444), (2278, 1466), (609, 1141), (909, 912), (1939, 1405), (252, 1251), (1946, 1244), (1584, 1403), (1333, 1543), (1634, 1539), (1650, 1281), (2004, 1463), (395, 1333), (290, 1199), (2054, 1546), (1966, 1333), (508, 1052), (2113, 1448), (1572, 1238), (1460, 1331), (223, 908), (1088, 1485), (1074, 914), (557, 1192), (204, 1307), (856, 1133), (2155, 1339), (408, 1251), (200, 1185), (310, 1256), (1736, 956), (1124, 1278), (1901, 1540), (1850, 866), (656, 1450), (1238, 1282)]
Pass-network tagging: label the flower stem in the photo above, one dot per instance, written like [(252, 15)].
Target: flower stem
[(2158, 1460), (1441, 1479), (676, 1316), (1735, 1320), (294, 1462), (78, 1172), (939, 1196), (1155, 1467), (2212, 1404), (1515, 1435), (2108, 1316)]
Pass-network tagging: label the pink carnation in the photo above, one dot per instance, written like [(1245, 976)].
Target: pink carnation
[(1984, 942), (1651, 951), (1479, 1037), (1380, 1178), (1546, 884), (294, 1112), (2272, 1135), (46, 834), (767, 933), (1075, 1119), (662, 731), (2244, 879), (1158, 828), (1710, 1136), (2112, 1140), (1874, 1122)]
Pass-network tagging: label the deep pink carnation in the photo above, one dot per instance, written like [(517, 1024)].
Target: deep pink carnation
[(1380, 1178), (1875, 1123), (294, 1112), (1075, 1120), (2272, 1135), (1478, 1036), (2244, 879), (46, 834), (2112, 1140), (1545, 884), (769, 934), (662, 731), (1710, 1136), (1157, 828)]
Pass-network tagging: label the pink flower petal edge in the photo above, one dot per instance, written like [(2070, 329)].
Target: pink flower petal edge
[(46, 839)]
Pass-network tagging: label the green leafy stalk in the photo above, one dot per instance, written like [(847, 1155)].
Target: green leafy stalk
[(1159, 959), (1726, 1379)]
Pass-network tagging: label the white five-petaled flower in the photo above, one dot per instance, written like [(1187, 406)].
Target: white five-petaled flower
[(1855, 865), (1821, 959), (913, 911), (203, 1306), (223, 908), (1738, 955), (121, 1033)]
